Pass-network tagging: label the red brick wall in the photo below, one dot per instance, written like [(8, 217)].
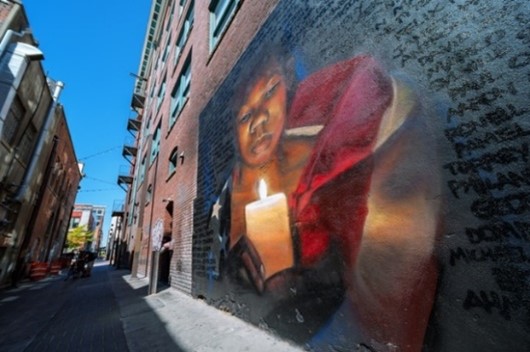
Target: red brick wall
[(208, 71), (4, 10), (61, 184)]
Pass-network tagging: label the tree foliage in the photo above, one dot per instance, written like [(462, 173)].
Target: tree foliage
[(78, 237)]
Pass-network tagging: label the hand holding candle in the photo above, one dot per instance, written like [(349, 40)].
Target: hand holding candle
[(267, 223)]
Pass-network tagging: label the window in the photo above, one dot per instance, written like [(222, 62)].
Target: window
[(170, 18), (141, 171), (182, 5), (133, 215), (13, 119), (180, 92), (221, 13), (161, 93), (184, 33), (152, 89), (156, 59), (166, 50), (173, 157), (155, 147), (75, 222), (147, 125)]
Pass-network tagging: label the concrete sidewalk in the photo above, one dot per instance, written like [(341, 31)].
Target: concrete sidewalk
[(173, 321)]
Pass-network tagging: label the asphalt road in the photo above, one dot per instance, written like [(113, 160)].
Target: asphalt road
[(111, 311), (57, 315)]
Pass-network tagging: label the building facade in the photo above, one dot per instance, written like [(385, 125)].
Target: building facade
[(99, 217), (346, 174), (39, 165), (91, 217), (166, 125), (55, 200)]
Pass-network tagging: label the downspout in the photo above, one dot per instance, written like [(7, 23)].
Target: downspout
[(4, 43), (43, 134), (7, 39), (155, 257)]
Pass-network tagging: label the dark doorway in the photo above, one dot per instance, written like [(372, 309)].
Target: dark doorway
[(167, 247)]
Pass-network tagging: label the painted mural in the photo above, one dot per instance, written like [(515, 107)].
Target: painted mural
[(362, 192)]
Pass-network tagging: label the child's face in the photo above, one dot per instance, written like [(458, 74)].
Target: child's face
[(261, 119)]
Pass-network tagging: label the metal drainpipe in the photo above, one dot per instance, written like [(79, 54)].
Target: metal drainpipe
[(43, 134), (7, 39)]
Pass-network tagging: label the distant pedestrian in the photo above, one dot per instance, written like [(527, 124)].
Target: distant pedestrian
[(90, 259), (77, 266)]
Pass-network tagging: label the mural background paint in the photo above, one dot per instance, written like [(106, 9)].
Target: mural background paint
[(470, 60)]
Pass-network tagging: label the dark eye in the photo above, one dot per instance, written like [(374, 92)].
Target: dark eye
[(270, 92), (245, 117)]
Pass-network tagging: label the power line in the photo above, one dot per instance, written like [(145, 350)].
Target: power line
[(97, 190), (99, 180), (99, 153)]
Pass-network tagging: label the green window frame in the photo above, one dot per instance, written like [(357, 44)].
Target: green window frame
[(221, 14), (180, 92)]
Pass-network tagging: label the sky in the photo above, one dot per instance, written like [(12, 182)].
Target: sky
[(93, 47)]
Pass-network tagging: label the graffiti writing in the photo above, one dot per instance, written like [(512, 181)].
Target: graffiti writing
[(519, 61), (512, 279), (493, 254), (501, 135), (512, 204), (483, 186), (480, 73), (489, 301), (488, 161), (499, 232)]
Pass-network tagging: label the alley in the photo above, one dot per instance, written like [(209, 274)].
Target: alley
[(111, 311), (58, 315)]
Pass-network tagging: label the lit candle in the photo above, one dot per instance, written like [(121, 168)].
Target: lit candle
[(267, 221)]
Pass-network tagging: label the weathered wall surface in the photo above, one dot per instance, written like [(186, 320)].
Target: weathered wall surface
[(208, 70), (400, 170)]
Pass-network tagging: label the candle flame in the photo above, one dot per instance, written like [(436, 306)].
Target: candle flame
[(262, 189)]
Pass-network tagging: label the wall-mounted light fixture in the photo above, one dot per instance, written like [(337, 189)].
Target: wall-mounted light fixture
[(181, 156), (138, 77)]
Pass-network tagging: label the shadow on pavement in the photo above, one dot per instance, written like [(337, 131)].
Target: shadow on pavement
[(143, 328), (105, 312), (26, 309)]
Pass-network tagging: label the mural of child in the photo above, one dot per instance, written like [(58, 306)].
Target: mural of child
[(347, 214), (274, 157)]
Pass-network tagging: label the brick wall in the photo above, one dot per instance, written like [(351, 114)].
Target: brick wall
[(208, 71), (5, 8), (61, 179), (461, 282), (467, 61)]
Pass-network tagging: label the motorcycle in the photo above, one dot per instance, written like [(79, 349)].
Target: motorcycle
[(78, 268)]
